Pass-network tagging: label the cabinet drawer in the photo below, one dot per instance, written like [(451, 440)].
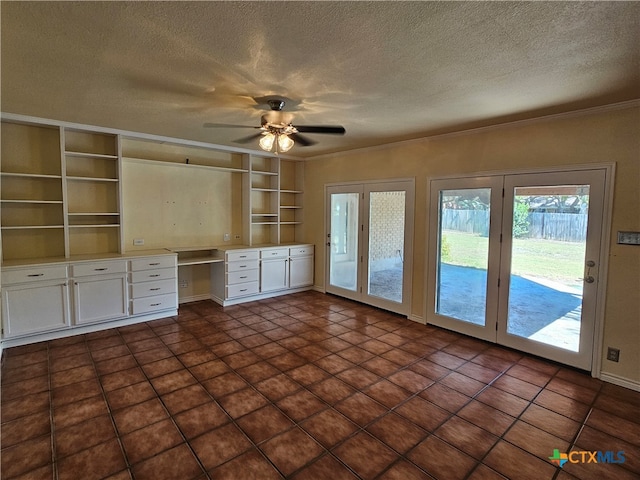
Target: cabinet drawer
[(242, 289), (241, 266), (34, 274), (301, 251), (149, 275), (152, 304), (98, 268), (147, 289), (274, 253), (242, 277), (242, 255), (150, 263)]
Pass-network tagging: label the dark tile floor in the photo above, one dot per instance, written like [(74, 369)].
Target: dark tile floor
[(306, 386)]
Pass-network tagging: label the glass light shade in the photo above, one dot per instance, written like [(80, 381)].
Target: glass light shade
[(284, 143), (266, 142)]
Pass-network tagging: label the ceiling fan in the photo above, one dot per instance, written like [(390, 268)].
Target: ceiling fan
[(276, 130)]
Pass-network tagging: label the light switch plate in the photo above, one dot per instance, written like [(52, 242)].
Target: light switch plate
[(629, 238)]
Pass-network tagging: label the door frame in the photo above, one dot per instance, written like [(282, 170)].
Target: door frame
[(365, 187), (605, 242)]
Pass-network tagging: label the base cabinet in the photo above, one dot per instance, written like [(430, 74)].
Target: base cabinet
[(99, 291), (257, 273), (47, 301), (97, 299), (35, 307)]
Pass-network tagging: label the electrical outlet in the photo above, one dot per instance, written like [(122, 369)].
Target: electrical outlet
[(183, 284), (138, 242), (237, 237), (226, 237), (613, 354)]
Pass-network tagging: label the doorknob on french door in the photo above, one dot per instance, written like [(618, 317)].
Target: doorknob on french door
[(589, 279)]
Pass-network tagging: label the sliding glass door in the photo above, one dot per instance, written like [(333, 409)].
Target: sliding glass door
[(514, 259), (370, 243)]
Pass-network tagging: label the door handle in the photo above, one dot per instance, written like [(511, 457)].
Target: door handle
[(589, 279)]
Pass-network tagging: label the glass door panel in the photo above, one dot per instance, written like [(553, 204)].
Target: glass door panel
[(464, 231), (545, 297), (370, 242), (550, 263), (463, 254), (343, 241), (386, 245)]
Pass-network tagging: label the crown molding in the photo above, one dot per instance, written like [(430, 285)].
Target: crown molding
[(498, 126)]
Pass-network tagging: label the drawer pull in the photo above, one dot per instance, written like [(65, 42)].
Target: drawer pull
[(274, 253), (100, 269), (155, 275), (242, 266), (154, 264), (154, 289), (243, 256), (155, 304), (35, 275), (243, 289), (244, 276)]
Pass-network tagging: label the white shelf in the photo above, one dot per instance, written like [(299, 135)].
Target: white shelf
[(90, 155), (30, 175), (290, 206), (108, 225), (32, 227), (255, 189), (45, 202), (282, 190), (91, 179), (264, 223), (290, 223), (190, 165), (264, 214), (92, 214), (263, 172)]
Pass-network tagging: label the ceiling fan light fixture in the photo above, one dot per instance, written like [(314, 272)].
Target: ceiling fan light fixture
[(266, 142), (284, 143)]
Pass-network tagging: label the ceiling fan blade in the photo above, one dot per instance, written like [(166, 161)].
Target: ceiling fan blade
[(330, 129), (303, 141), (225, 125), (248, 138)]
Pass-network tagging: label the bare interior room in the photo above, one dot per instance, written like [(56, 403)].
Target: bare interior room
[(320, 240)]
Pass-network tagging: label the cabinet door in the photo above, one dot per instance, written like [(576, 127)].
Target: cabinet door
[(300, 272), (35, 308), (100, 298), (273, 275)]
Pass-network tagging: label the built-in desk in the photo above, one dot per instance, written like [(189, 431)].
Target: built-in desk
[(240, 273), (198, 255)]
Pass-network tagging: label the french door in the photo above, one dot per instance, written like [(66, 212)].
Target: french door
[(370, 243), (514, 259)]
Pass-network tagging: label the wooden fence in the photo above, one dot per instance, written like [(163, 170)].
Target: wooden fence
[(565, 227)]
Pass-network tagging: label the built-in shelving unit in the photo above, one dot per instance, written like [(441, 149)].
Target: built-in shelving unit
[(92, 181), (32, 199), (273, 200), (62, 190)]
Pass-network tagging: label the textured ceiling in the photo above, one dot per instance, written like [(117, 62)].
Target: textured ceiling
[(387, 71)]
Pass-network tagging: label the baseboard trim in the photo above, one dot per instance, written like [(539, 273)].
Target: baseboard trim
[(82, 329), (620, 381)]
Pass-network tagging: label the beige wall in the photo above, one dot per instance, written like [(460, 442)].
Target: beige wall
[(594, 137)]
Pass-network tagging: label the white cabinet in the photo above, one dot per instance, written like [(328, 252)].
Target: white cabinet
[(301, 266), (153, 284), (249, 274), (35, 300), (99, 291), (274, 274), (40, 302), (241, 273)]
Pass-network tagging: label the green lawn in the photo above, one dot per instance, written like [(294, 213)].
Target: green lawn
[(560, 262)]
